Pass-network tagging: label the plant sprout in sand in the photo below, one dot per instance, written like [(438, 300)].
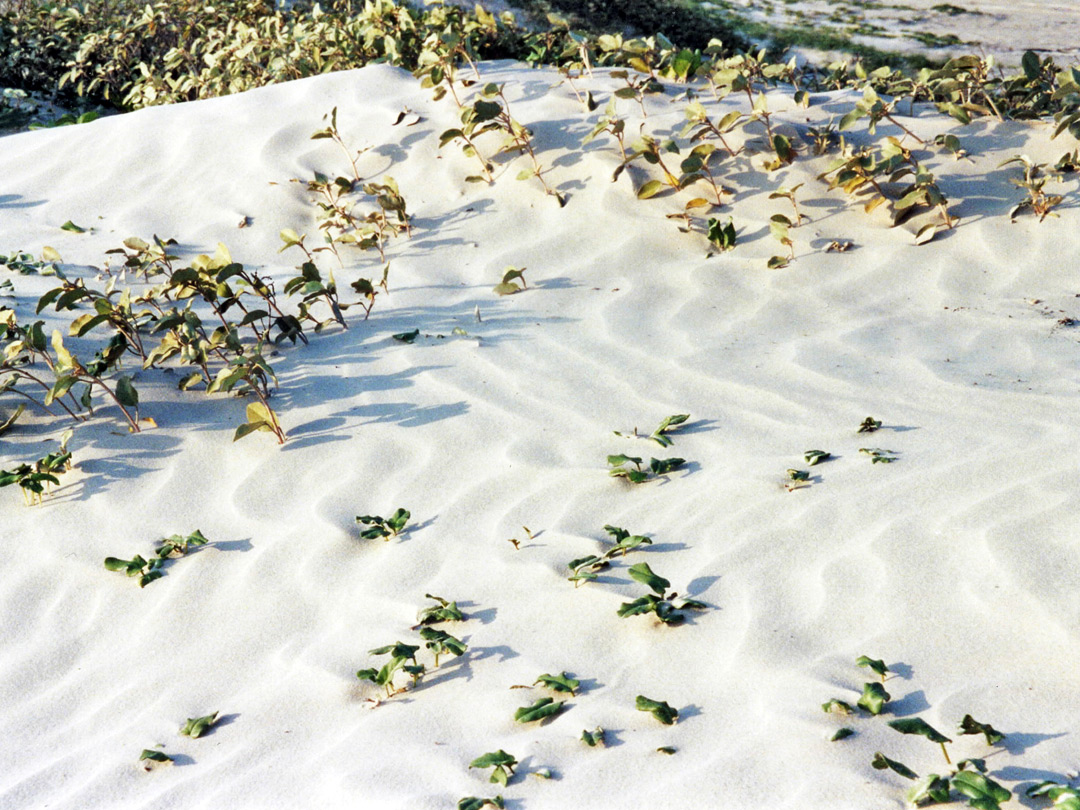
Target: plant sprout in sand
[(502, 764), (399, 653), (149, 570), (659, 435), (37, 479), (659, 709), (442, 611), (656, 602), (440, 643), (540, 710), (620, 467), (383, 527), (197, 726), (508, 286)]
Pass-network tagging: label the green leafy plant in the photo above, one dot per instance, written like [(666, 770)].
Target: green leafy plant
[(836, 706), (721, 237), (148, 570), (36, 479), (624, 541), (399, 653), (815, 457), (502, 764), (659, 709), (197, 726), (869, 425), (558, 683), (442, 611), (151, 757), (440, 643), (873, 698), (1033, 182), (593, 738), (875, 665), (657, 467), (1063, 796), (878, 455), (543, 708), (842, 734), (657, 602), (780, 228), (383, 527), (881, 762), (969, 725)]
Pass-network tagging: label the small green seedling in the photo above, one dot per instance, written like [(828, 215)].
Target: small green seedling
[(659, 709), (558, 683), (407, 337), (475, 803), (666, 749), (668, 424), (444, 611), (969, 725), (502, 762), (916, 725), (540, 710), (656, 602), (71, 227), (508, 286), (593, 738), (619, 464), (177, 545), (624, 541), (879, 455), (798, 475), (815, 457), (882, 763), (875, 665), (399, 653), (585, 568), (383, 527), (780, 228), (836, 706), (869, 425), (197, 726), (149, 570), (789, 195), (722, 237), (151, 757), (441, 642), (874, 697), (841, 734), (1038, 201)]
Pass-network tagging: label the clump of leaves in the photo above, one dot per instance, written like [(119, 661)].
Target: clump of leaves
[(669, 423), (657, 602), (440, 642), (383, 527), (543, 708), (148, 570), (502, 764), (620, 468), (814, 457), (878, 455), (508, 286), (1064, 796), (593, 738), (659, 709), (1033, 182), (969, 725), (881, 762), (443, 611), (869, 425), (841, 734), (36, 479), (624, 541), (197, 726), (399, 653), (721, 237)]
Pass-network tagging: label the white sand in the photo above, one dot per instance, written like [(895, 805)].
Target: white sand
[(957, 564)]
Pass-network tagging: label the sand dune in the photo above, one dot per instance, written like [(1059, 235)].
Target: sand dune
[(956, 564)]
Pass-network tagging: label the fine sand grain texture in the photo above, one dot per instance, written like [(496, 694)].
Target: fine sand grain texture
[(957, 564)]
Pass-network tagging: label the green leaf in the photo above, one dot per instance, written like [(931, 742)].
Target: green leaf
[(984, 792), (645, 575), (506, 288), (813, 457), (874, 697), (72, 227), (874, 664), (916, 725), (542, 708), (475, 803), (666, 749), (841, 734), (619, 459), (659, 709), (126, 393), (969, 725), (665, 465), (836, 706), (248, 428), (196, 727), (593, 738), (930, 788), (494, 758), (882, 762), (407, 337), (558, 683)]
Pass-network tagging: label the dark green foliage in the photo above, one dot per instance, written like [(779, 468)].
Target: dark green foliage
[(593, 738), (383, 527), (969, 725), (197, 726), (659, 709), (874, 697), (540, 710), (444, 611), (882, 762), (502, 764)]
